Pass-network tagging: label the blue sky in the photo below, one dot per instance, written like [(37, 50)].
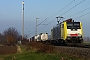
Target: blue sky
[(11, 14)]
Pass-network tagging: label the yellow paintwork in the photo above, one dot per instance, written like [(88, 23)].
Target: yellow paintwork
[(65, 31), (81, 29)]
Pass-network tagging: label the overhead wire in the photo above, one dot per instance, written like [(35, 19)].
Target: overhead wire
[(79, 12), (42, 22), (64, 7), (68, 10), (48, 24), (82, 15), (72, 7), (57, 12)]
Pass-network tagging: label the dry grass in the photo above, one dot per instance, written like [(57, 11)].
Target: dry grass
[(8, 49), (40, 47)]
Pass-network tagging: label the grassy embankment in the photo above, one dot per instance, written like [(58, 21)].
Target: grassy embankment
[(33, 54)]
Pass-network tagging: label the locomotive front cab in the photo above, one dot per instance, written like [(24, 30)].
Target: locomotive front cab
[(73, 31)]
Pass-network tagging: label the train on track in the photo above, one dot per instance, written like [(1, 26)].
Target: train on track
[(68, 31)]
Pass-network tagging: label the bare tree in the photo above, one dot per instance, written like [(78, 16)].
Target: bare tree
[(11, 35)]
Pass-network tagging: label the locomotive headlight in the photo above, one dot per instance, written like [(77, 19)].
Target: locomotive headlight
[(79, 34), (69, 35)]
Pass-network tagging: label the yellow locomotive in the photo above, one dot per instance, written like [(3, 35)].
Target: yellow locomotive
[(67, 31)]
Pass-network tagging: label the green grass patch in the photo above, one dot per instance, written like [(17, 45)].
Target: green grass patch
[(28, 55)]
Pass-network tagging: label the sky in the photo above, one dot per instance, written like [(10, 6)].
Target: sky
[(46, 11)]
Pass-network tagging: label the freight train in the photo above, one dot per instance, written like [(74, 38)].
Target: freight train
[(40, 37), (67, 31)]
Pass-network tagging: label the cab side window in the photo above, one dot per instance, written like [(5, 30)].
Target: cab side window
[(62, 25)]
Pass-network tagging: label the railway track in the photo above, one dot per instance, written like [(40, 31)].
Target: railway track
[(78, 51), (79, 45)]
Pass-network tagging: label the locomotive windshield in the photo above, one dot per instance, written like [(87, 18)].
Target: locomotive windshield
[(73, 25)]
